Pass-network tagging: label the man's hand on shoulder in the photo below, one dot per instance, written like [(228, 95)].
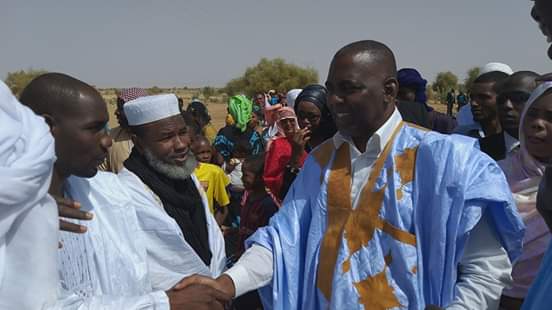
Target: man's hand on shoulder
[(68, 208)]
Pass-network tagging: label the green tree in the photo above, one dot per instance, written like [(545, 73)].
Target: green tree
[(271, 74), (208, 91), (444, 82), (473, 73), (154, 90), (17, 80)]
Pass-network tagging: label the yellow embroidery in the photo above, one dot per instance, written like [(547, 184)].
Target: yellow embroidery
[(358, 226), (376, 293)]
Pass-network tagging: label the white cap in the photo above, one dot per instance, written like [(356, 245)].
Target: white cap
[(149, 109), (496, 66)]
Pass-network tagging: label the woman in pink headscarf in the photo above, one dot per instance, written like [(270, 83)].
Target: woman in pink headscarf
[(286, 148), (524, 173)]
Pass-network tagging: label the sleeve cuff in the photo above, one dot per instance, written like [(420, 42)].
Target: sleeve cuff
[(240, 277), (160, 300)]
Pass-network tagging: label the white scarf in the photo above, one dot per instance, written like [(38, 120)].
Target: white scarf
[(28, 215)]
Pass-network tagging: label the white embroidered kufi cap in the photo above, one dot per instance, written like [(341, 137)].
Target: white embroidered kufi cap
[(496, 66), (149, 109)]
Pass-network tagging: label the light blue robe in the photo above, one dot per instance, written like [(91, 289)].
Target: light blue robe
[(538, 297), (454, 184)]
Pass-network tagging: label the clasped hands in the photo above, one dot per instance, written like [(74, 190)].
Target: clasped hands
[(201, 292)]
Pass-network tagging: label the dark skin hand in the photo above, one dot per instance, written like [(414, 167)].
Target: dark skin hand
[(298, 142), (70, 209), (223, 283), (197, 297)]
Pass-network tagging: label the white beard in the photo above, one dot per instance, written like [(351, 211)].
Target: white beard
[(170, 170)]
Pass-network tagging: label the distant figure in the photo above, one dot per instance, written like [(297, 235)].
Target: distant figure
[(412, 90), (451, 99), (461, 100)]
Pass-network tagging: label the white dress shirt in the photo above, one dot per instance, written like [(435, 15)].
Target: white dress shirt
[(484, 269)]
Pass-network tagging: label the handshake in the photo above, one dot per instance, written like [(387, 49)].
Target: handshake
[(200, 292)]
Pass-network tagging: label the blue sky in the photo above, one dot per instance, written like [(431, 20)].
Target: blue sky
[(123, 43)]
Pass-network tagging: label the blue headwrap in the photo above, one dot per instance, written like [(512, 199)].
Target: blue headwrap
[(412, 78)]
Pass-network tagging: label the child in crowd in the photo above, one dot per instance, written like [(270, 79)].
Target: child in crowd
[(257, 209), (212, 178), (233, 169)]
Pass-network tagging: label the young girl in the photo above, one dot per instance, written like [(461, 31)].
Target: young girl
[(257, 209)]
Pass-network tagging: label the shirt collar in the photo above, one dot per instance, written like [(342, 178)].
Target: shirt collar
[(510, 142), (378, 140)]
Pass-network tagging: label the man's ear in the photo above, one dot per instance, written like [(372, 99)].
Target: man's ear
[(137, 143), (390, 89), (52, 123)]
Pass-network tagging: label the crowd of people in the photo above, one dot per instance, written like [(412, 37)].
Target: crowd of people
[(355, 194)]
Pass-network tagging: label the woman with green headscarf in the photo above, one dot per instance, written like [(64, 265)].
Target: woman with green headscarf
[(240, 108)]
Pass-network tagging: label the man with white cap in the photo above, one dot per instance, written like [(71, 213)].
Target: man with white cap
[(465, 116), (159, 172), (122, 144), (484, 111), (28, 215), (107, 267)]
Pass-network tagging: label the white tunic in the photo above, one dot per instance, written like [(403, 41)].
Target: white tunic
[(166, 246), (28, 215), (106, 268)]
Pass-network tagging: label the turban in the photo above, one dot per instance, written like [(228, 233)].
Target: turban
[(128, 94), (412, 78), (240, 108)]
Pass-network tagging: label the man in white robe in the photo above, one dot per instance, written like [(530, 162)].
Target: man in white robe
[(159, 172), (107, 267), (28, 215)]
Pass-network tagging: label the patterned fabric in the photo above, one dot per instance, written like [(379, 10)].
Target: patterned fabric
[(127, 94), (228, 136)]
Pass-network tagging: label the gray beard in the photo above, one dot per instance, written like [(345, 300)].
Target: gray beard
[(172, 171)]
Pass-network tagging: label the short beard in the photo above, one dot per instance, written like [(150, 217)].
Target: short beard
[(170, 170)]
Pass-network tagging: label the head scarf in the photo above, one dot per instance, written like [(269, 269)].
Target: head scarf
[(128, 94), (537, 93), (524, 173), (282, 114), (520, 166), (240, 108), (291, 96), (409, 77), (318, 95), (197, 107)]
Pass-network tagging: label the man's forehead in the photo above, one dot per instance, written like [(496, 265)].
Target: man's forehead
[(361, 65), (175, 122)]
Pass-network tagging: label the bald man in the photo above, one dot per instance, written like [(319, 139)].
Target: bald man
[(377, 219), (107, 267)]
